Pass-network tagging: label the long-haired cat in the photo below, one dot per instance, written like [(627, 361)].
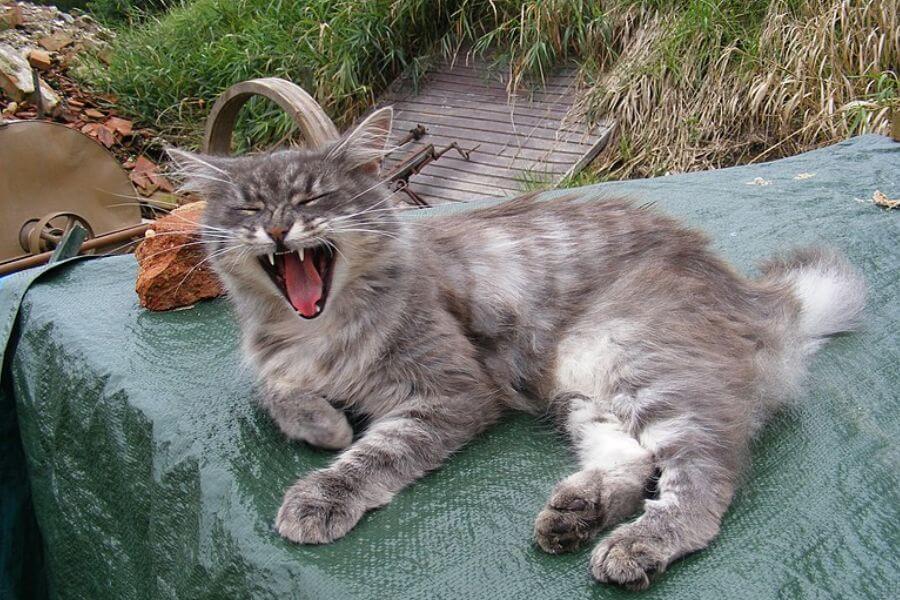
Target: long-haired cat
[(657, 359)]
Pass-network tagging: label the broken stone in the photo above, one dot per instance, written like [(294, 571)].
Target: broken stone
[(93, 113), (56, 41), (143, 166), (171, 272), (105, 136), (40, 59), (49, 98), (101, 133), (122, 126), (15, 74), (11, 17)]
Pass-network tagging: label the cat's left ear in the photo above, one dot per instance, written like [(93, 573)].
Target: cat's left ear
[(365, 147), (200, 173)]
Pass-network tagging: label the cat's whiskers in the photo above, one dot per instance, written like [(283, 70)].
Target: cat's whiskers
[(215, 236), (212, 255), (330, 244), (198, 224), (174, 249), (338, 232), (366, 191)]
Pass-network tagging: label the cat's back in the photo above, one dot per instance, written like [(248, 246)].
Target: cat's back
[(571, 228)]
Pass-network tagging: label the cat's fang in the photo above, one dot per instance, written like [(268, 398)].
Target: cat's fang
[(300, 252), (271, 259)]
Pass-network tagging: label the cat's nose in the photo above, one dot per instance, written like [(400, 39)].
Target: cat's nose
[(277, 234)]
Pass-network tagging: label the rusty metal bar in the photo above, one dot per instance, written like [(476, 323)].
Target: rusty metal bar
[(101, 241)]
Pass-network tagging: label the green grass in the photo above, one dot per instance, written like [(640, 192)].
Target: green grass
[(168, 69)]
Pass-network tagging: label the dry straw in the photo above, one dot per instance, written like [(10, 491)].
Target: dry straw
[(819, 73)]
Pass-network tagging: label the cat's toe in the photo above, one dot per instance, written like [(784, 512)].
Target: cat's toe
[(567, 521), (309, 516), (625, 560)]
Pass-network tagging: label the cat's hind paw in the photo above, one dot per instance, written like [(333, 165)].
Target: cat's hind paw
[(627, 560), (572, 516)]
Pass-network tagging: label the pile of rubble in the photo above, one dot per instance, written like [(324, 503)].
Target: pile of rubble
[(41, 37), (37, 46)]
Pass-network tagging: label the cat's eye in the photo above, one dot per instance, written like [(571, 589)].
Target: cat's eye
[(248, 210), (311, 199)]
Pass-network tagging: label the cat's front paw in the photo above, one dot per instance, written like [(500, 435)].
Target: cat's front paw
[(627, 559), (334, 435), (317, 511)]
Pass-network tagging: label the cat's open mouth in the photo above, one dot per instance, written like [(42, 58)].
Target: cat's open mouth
[(303, 276)]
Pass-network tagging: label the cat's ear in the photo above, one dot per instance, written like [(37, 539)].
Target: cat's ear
[(200, 173), (365, 147)]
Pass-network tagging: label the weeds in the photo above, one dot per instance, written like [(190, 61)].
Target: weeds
[(722, 83)]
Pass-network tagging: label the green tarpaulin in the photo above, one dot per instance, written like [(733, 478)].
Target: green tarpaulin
[(153, 475)]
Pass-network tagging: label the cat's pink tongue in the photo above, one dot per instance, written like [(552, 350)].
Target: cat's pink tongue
[(302, 283)]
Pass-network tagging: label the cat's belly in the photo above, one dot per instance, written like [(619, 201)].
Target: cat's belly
[(593, 359)]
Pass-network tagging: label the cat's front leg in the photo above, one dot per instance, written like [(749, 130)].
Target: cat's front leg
[(307, 417), (395, 451)]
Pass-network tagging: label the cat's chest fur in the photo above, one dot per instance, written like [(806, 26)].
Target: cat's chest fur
[(336, 363)]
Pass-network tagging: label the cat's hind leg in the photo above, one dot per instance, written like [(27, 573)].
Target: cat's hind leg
[(610, 486), (698, 473)]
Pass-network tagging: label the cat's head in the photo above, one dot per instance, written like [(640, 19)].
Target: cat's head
[(294, 225)]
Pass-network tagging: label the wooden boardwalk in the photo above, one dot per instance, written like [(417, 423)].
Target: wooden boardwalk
[(524, 137)]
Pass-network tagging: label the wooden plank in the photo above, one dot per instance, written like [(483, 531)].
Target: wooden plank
[(487, 159), (548, 93), (510, 182), (410, 117), (472, 189), (496, 97), (424, 109), (501, 154), (561, 103), (526, 136), (499, 177), (430, 193), (434, 98), (461, 131), (476, 63)]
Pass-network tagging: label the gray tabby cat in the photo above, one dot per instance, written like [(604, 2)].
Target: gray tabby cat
[(657, 358)]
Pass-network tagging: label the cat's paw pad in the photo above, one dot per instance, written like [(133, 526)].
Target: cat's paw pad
[(313, 514), (627, 560), (570, 518)]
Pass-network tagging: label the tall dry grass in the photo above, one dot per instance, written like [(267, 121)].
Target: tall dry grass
[(686, 99)]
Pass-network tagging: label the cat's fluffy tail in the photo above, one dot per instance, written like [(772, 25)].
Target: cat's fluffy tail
[(818, 293), (831, 292)]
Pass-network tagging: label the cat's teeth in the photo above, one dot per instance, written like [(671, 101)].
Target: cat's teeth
[(271, 259), (300, 252), (318, 309)]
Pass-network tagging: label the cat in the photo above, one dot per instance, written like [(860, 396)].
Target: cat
[(658, 360)]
